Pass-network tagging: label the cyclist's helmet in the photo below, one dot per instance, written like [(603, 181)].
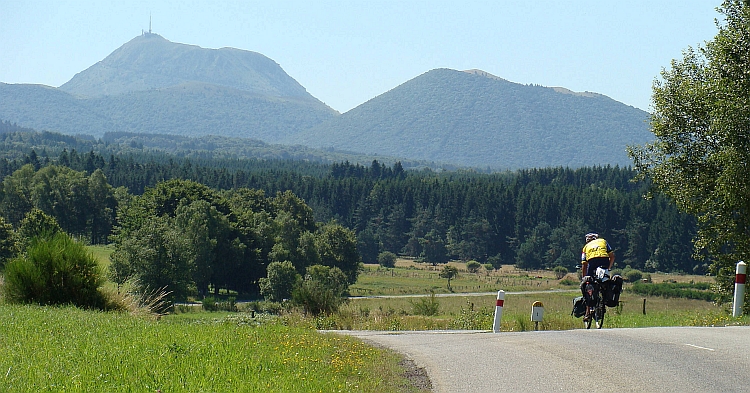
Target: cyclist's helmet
[(591, 236)]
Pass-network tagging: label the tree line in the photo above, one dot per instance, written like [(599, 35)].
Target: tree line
[(532, 218)]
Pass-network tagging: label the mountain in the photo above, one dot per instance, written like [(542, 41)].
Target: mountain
[(476, 119), (152, 85), (464, 118), (150, 62)]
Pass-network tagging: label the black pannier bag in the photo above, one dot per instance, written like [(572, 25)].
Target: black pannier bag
[(612, 291), (579, 307)]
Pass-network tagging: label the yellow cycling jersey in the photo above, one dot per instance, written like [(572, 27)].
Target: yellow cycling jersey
[(596, 248)]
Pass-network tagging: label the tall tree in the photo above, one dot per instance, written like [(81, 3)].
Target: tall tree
[(701, 156)]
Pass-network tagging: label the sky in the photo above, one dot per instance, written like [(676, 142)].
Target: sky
[(349, 51)]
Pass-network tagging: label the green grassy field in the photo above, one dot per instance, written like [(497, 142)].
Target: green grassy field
[(66, 349), (417, 278)]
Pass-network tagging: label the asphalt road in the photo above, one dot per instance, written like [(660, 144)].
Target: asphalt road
[(679, 359)]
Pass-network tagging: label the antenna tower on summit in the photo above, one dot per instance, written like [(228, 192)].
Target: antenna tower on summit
[(149, 23)]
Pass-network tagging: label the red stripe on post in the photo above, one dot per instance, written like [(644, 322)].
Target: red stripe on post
[(499, 303), (740, 278)]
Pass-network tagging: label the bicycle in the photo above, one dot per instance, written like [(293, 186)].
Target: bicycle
[(595, 288)]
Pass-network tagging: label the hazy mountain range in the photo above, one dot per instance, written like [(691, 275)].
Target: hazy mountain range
[(471, 118)]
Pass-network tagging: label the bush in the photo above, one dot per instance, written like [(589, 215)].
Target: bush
[(55, 270), (427, 306), (473, 266), (322, 291), (560, 271), (675, 290), (281, 279), (488, 267), (632, 275), (209, 304), (387, 259)]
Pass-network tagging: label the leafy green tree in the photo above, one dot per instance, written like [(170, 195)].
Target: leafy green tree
[(8, 242), (281, 280), (158, 256), (55, 270), (322, 290), (387, 259), (103, 207), (337, 247), (17, 194), (473, 266), (449, 272), (36, 224), (701, 155), (560, 272)]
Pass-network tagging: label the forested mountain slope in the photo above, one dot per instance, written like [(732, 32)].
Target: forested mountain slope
[(476, 119)]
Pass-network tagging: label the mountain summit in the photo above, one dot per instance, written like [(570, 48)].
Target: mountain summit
[(468, 118), (476, 119), (151, 62), (151, 85)]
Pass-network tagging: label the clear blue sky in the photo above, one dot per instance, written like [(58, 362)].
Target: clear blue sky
[(348, 51)]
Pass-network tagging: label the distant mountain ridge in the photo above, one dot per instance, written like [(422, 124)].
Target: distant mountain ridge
[(150, 62), (467, 118), (152, 85), (477, 119)]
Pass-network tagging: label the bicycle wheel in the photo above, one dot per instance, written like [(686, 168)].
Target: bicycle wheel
[(599, 314)]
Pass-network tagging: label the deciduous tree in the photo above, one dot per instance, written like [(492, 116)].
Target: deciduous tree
[(701, 155)]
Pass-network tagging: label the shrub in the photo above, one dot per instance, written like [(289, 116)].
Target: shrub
[(387, 259), (209, 304), (473, 266), (427, 306), (560, 271), (281, 279), (321, 291), (55, 270), (488, 267), (675, 290), (633, 275)]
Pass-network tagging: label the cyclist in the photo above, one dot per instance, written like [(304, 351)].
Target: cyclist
[(596, 253)]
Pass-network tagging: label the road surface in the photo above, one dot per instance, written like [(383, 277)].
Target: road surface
[(673, 359)]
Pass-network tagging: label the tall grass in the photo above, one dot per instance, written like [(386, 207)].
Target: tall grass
[(67, 349), (477, 313)]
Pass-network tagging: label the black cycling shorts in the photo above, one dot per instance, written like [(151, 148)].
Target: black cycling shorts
[(602, 262)]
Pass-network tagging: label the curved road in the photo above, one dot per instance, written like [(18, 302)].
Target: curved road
[(672, 359)]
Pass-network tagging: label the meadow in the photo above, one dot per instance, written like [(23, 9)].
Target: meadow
[(68, 349)]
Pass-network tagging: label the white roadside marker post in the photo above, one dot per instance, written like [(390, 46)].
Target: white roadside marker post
[(739, 289), (498, 311)]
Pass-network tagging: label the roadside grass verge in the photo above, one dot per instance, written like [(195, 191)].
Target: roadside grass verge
[(477, 313), (67, 349)]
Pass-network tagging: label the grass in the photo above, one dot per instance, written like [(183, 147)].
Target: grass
[(66, 349), (477, 312), (410, 277)]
